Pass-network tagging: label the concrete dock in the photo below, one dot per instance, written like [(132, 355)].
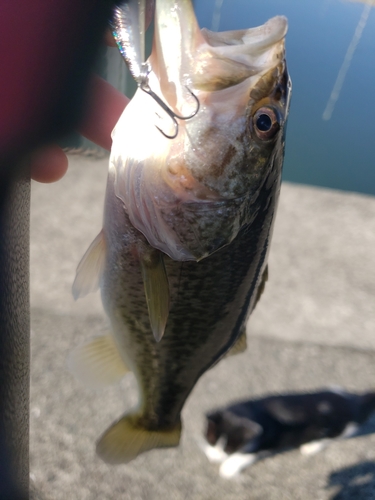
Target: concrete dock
[(314, 327)]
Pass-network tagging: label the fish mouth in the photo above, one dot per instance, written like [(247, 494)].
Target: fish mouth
[(228, 58), (186, 56)]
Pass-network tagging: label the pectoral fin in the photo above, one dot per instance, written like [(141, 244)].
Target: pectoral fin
[(90, 268), (156, 286), (126, 439), (97, 363)]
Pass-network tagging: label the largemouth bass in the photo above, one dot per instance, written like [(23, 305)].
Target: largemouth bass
[(182, 257)]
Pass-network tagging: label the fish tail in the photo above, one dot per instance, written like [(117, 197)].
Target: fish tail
[(127, 438)]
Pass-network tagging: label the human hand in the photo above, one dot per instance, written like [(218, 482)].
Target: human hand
[(105, 105)]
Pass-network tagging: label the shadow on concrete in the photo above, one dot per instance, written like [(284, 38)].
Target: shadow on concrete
[(355, 482)]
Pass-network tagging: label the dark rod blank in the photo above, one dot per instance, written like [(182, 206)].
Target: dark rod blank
[(14, 337)]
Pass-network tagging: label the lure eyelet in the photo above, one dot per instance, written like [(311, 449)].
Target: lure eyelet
[(266, 123)]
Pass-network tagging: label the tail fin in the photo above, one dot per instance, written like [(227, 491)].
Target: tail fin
[(126, 439)]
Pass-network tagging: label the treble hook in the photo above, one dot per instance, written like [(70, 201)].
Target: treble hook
[(146, 88), (129, 28)]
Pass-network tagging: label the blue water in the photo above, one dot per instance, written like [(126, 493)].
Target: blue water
[(338, 153)]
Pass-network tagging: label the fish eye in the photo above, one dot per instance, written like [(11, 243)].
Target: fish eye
[(266, 123)]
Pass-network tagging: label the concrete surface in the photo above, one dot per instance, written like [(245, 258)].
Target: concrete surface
[(314, 326)]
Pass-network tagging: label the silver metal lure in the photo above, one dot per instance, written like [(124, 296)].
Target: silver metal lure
[(129, 30)]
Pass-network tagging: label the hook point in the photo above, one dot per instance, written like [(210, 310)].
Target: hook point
[(146, 88)]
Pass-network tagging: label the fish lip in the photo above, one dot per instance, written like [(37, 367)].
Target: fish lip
[(228, 58), (273, 31)]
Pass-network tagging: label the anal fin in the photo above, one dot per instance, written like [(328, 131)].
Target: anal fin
[(156, 287), (97, 363), (126, 439)]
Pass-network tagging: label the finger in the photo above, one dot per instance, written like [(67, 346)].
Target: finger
[(48, 164), (104, 108)]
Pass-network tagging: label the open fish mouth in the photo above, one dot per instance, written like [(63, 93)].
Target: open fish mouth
[(233, 56), (215, 164)]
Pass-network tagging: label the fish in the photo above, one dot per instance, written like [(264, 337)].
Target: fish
[(181, 260)]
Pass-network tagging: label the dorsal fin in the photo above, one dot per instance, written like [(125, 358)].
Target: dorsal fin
[(239, 346), (90, 268), (262, 285), (241, 343)]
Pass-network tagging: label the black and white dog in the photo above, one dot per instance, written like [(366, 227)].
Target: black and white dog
[(240, 434)]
